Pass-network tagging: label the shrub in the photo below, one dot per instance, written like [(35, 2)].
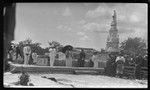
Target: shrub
[(24, 79)]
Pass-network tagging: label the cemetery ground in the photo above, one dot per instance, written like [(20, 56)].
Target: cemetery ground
[(74, 81)]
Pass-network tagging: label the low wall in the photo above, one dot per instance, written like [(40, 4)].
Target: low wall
[(44, 61)]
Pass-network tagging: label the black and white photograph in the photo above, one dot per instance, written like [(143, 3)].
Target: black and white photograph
[(75, 45)]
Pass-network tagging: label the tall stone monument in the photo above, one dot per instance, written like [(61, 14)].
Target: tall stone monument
[(112, 44)]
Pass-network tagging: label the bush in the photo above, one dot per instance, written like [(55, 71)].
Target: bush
[(24, 79)]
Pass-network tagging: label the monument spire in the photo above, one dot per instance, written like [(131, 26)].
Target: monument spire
[(114, 16), (113, 37), (114, 21)]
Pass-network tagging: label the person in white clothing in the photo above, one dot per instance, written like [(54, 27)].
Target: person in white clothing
[(52, 55), (34, 56), (120, 60), (27, 53), (95, 60), (69, 58)]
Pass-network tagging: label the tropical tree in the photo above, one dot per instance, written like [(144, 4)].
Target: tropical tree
[(134, 46)]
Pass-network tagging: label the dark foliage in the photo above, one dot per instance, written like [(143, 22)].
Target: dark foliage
[(133, 46)]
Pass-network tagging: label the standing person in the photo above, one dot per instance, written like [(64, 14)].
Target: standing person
[(91, 63), (52, 55), (127, 60), (18, 52), (10, 51), (34, 56), (110, 65), (13, 53), (132, 61), (27, 54), (145, 62), (120, 60), (95, 60), (69, 58), (81, 58), (113, 65), (145, 65)]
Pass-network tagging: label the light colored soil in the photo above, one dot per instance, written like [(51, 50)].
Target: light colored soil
[(78, 81)]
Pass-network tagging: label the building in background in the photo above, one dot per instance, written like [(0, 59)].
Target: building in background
[(112, 44)]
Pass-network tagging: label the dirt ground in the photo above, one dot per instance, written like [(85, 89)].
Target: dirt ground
[(75, 81)]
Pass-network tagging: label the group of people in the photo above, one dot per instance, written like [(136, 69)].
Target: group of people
[(68, 57), (116, 63), (114, 66), (15, 50), (30, 57)]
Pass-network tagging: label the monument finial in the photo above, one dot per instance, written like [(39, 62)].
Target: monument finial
[(114, 22), (114, 16), (114, 12)]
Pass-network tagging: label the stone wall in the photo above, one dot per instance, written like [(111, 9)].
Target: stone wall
[(43, 60)]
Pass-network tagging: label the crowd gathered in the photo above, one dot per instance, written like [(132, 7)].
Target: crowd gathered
[(115, 64)]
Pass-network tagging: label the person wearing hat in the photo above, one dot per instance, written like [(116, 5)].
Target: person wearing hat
[(52, 54), (120, 60)]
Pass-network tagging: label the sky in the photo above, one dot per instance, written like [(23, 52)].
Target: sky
[(79, 24)]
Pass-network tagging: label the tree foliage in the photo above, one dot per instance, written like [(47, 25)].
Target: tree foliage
[(35, 47), (134, 46), (56, 45)]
